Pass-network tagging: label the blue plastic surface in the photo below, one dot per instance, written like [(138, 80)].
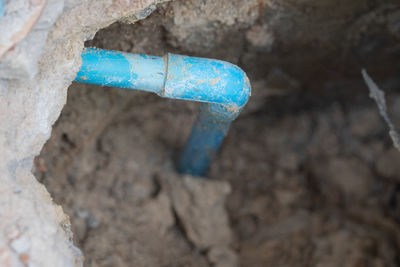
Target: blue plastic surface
[(223, 88), (124, 70), (207, 80), (2, 8), (203, 143)]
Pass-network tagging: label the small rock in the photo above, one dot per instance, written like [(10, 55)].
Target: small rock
[(200, 206), (388, 164), (365, 122), (348, 175), (158, 214), (261, 36), (223, 257)]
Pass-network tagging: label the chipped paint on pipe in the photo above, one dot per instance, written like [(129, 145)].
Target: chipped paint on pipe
[(124, 70), (223, 88), (206, 80)]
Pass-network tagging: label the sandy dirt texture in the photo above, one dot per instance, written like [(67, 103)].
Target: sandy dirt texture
[(298, 187), (306, 177)]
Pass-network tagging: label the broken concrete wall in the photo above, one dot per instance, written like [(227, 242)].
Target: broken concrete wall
[(40, 48)]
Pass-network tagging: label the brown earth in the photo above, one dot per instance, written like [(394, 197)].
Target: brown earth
[(307, 176)]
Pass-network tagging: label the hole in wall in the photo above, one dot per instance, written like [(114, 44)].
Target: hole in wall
[(295, 158)]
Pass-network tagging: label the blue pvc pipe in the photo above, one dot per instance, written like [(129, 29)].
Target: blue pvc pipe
[(223, 88), (2, 8), (124, 70), (203, 143)]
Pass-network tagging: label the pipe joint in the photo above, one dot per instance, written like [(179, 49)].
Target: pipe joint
[(208, 80)]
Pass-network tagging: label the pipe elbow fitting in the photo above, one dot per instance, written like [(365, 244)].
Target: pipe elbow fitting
[(222, 84)]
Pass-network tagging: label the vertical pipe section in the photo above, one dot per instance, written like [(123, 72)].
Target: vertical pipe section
[(223, 87), (203, 143)]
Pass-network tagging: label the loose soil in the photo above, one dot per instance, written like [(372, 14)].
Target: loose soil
[(304, 178)]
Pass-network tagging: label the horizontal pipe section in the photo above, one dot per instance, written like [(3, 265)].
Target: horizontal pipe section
[(124, 70), (223, 88)]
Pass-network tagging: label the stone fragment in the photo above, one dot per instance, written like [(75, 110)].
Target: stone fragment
[(200, 207)]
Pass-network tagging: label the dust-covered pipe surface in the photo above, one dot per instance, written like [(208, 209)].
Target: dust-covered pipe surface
[(223, 88)]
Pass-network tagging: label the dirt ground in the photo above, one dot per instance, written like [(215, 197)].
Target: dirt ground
[(304, 178)]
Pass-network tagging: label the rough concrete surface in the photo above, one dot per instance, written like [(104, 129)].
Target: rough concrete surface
[(40, 56), (306, 177)]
